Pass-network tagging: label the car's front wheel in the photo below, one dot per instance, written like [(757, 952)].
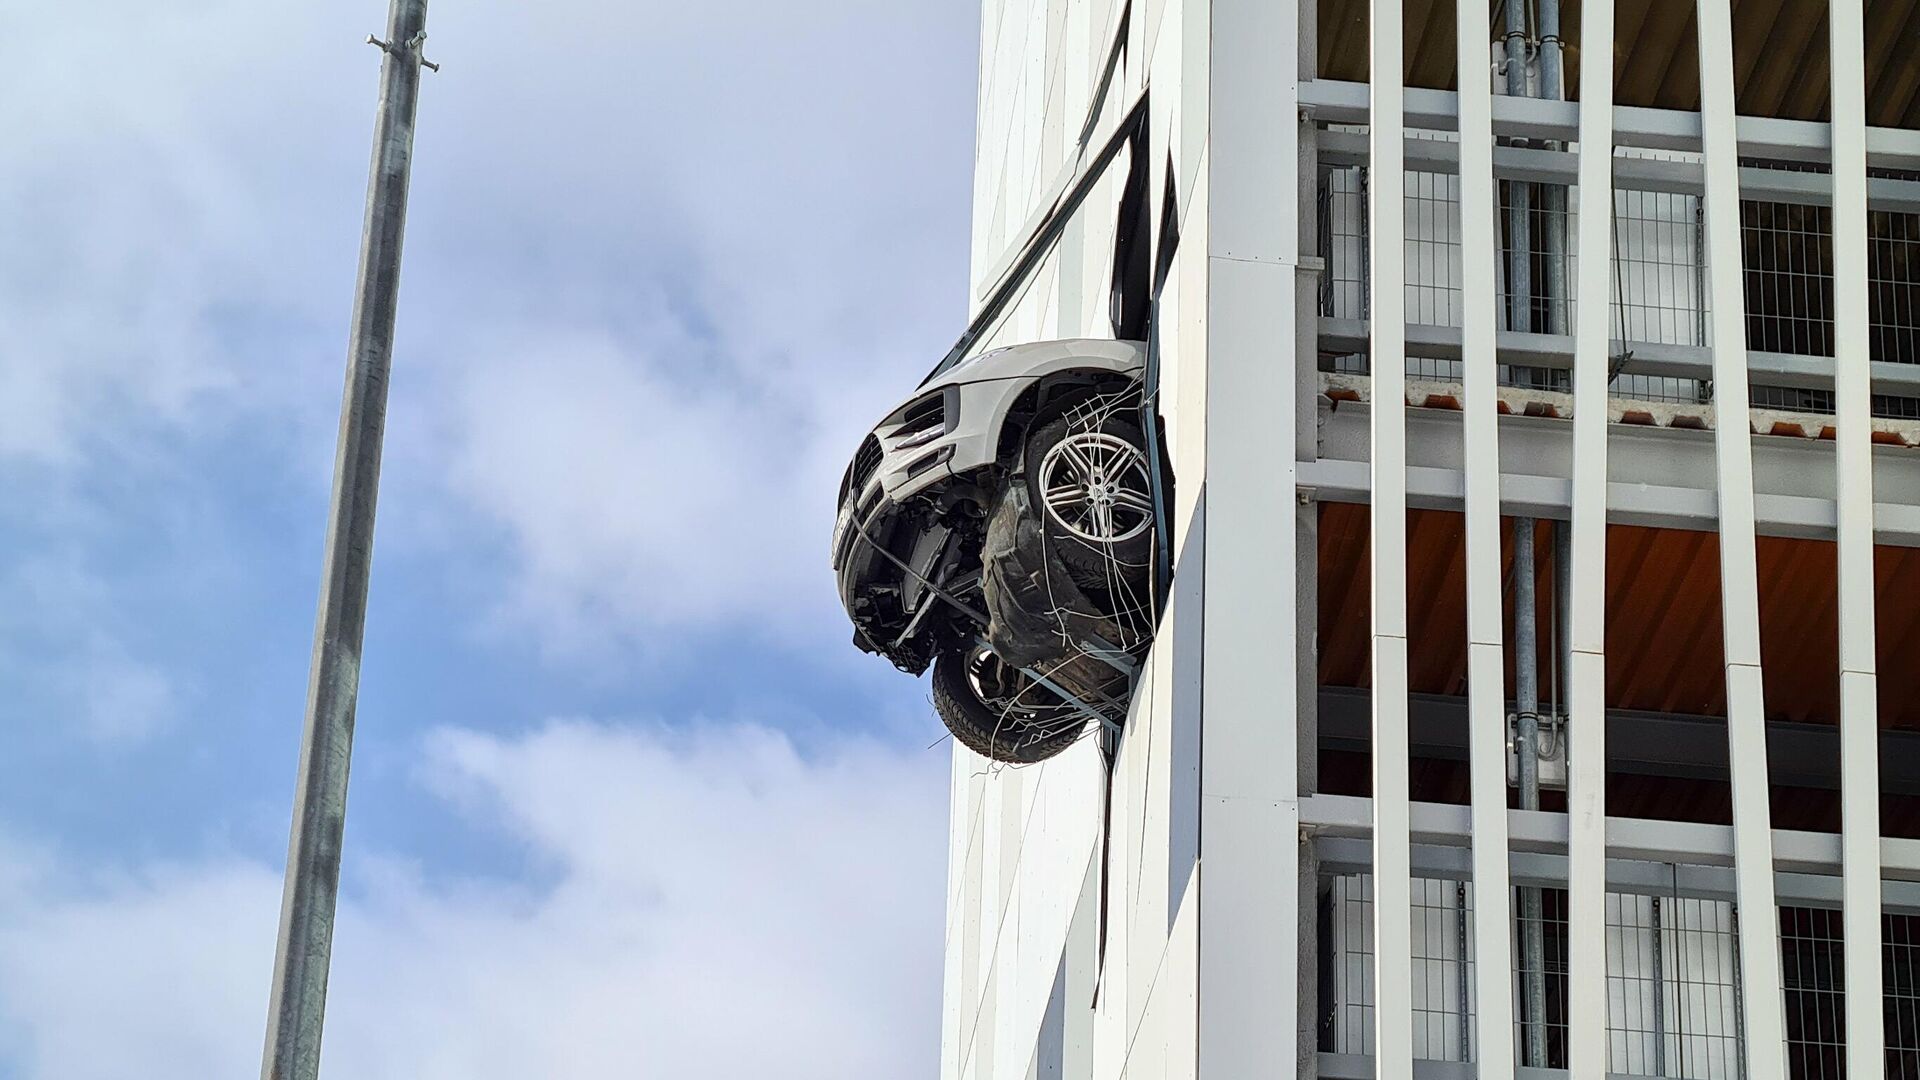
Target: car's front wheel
[(997, 711), (1088, 473)]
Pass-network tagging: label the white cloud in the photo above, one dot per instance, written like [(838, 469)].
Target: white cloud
[(158, 214), (718, 904), (749, 219), (750, 226), (664, 262), (638, 502)]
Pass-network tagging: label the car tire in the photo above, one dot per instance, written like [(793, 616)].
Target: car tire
[(1022, 727), (1124, 555)]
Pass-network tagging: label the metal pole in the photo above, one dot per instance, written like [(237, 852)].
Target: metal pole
[(1526, 670), (1704, 388), (1463, 979), (1553, 197), (1519, 193), (1526, 685), (298, 1005), (1659, 998), (1552, 82), (1563, 622), (1533, 998)]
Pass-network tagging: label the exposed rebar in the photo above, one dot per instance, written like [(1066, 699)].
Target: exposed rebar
[(297, 1008)]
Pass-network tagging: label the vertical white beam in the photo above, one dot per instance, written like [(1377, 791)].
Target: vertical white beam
[(1587, 621), (1739, 577), (1392, 854), (1486, 679), (1249, 891), (1853, 457), (1306, 592)]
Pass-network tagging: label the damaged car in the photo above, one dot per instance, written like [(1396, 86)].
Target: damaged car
[(1001, 528)]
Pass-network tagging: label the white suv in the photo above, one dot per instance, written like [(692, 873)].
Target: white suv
[(1000, 527)]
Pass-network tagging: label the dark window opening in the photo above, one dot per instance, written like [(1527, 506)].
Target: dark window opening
[(1132, 257)]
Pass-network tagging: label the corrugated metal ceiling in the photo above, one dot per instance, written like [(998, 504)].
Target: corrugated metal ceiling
[(1664, 650), (1779, 47)]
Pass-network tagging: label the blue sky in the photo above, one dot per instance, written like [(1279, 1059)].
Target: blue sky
[(622, 789)]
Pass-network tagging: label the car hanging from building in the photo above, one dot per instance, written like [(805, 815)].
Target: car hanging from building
[(1000, 528)]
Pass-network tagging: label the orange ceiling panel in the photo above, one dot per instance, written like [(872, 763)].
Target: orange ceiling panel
[(1664, 648)]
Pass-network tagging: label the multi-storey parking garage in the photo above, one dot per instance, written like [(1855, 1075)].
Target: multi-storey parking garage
[(1537, 675)]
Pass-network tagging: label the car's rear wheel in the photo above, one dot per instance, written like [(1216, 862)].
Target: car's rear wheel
[(998, 712), (1088, 474)]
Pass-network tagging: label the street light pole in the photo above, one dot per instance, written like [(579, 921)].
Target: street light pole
[(299, 997)]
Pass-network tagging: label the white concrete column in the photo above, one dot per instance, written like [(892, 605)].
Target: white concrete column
[(1587, 600), (1739, 575), (1250, 954), (1486, 680), (1853, 457), (1392, 852)]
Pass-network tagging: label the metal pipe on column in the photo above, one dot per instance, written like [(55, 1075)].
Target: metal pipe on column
[(1519, 193), (1552, 81), (1553, 197), (1526, 685), (297, 1008), (1520, 294), (1563, 622), (1526, 671)]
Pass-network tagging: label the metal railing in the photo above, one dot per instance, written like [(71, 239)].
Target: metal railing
[(1659, 294), (1673, 982)]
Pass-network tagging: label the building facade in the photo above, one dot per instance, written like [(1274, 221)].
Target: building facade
[(1539, 679)]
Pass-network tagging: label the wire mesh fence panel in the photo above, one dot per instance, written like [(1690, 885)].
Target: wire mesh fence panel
[(1673, 982), (1443, 969), (1894, 286), (1892, 407), (1343, 228), (1543, 303), (1550, 970), (1787, 251), (1352, 959), (1798, 399), (1636, 1019), (1701, 990), (1815, 998), (1435, 295), (1820, 402), (1536, 267), (1660, 388), (1432, 249), (1672, 979), (1658, 282), (1900, 960), (1440, 970)]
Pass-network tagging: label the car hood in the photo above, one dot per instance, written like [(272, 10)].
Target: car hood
[(1040, 358)]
